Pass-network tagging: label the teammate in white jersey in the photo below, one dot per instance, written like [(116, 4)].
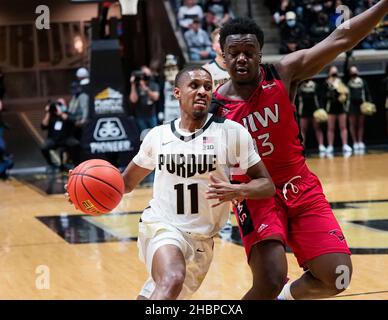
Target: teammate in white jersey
[(192, 157), (217, 67)]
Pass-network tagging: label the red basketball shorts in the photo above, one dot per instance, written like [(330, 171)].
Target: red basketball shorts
[(299, 215)]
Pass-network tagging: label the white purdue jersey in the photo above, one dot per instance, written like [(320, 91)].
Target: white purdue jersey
[(183, 162), (219, 75)]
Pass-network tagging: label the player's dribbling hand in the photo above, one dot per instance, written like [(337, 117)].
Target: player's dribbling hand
[(223, 191)]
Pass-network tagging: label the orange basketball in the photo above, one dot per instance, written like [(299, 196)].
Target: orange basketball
[(95, 187)]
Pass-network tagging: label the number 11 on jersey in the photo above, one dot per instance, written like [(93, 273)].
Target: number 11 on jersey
[(180, 199)]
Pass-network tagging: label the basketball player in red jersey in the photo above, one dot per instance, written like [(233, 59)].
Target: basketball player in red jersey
[(260, 97)]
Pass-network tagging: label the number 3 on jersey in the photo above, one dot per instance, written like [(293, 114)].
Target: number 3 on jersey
[(268, 147), (180, 199)]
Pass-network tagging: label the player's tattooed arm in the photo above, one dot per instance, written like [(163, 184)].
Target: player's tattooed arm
[(133, 175), (260, 187), (304, 64)]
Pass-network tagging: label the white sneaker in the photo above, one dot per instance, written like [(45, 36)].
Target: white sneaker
[(329, 149), (346, 148), (347, 154), (361, 146), (322, 148), (356, 146)]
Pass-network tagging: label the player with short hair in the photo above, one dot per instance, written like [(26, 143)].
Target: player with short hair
[(259, 97), (192, 157)]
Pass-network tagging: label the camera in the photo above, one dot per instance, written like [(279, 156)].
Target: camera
[(53, 109), (140, 75)]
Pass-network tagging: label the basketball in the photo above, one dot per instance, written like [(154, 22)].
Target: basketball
[(95, 187)]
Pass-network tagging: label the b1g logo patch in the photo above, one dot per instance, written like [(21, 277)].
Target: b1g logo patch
[(108, 129), (208, 143), (337, 233)]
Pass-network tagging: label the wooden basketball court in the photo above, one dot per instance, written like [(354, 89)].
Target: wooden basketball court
[(97, 258)]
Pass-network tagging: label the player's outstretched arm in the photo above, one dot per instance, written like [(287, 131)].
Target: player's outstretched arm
[(304, 64), (133, 175), (260, 187)]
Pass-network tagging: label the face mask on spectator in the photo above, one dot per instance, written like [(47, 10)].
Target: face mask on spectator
[(291, 23)]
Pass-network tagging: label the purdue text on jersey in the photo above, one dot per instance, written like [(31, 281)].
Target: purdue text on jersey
[(187, 165)]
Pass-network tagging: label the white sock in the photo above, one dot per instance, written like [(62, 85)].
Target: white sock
[(285, 294)]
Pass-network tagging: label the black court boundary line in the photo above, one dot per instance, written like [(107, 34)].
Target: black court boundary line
[(113, 239), (361, 294), (35, 188)]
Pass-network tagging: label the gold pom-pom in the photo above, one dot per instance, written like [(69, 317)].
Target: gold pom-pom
[(342, 98), (320, 115), (342, 89), (343, 92), (368, 108)]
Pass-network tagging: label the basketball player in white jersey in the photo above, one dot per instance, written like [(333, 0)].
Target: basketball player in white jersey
[(193, 157), (217, 67)]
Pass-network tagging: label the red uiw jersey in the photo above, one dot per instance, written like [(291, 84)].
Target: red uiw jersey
[(270, 118)]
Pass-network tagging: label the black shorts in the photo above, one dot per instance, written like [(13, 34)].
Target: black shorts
[(354, 107), (336, 108), (306, 112)]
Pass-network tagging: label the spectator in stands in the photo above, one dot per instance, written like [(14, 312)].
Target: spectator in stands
[(59, 133), (83, 76), (381, 41), (293, 35), (327, 7), (358, 94), (78, 108), (370, 41), (310, 11), (154, 72), (145, 93), (198, 42), (187, 13), (320, 29), (335, 96), (308, 103), (171, 104), (217, 67), (280, 15), (363, 6), (216, 14)]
